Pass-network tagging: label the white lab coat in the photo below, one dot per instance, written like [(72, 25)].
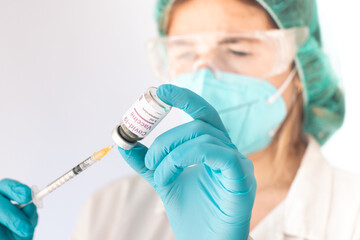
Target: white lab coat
[(323, 203)]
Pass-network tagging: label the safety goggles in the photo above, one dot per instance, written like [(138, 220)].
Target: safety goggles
[(260, 54)]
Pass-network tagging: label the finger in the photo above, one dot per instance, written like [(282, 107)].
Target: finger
[(191, 103), (169, 140), (233, 171), (15, 191), (14, 219), (173, 164), (31, 212), (5, 233), (135, 158)]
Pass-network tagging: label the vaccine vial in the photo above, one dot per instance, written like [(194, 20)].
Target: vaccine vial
[(140, 119)]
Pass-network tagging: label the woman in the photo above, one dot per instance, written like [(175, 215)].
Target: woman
[(261, 87)]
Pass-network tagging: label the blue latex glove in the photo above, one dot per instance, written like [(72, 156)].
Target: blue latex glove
[(15, 223), (212, 200)]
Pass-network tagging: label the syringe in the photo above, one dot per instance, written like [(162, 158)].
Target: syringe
[(37, 196)]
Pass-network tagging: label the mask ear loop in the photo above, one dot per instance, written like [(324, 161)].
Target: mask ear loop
[(283, 87), (299, 88)]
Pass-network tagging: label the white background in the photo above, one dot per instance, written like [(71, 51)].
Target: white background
[(70, 69)]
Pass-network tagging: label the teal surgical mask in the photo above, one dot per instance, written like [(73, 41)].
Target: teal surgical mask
[(251, 109)]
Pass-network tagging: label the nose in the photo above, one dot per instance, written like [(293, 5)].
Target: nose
[(200, 64)]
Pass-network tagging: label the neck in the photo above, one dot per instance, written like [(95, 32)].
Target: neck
[(273, 172)]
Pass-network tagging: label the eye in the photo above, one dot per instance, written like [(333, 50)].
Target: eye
[(240, 53), (186, 55), (181, 53)]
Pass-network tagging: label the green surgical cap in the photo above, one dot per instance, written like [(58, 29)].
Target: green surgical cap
[(324, 104)]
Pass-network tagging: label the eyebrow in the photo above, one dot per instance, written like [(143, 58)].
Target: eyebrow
[(180, 42), (231, 40), (226, 40)]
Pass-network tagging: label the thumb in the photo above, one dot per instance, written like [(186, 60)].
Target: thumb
[(135, 158)]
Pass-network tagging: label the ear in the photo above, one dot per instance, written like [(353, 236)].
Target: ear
[(298, 84)]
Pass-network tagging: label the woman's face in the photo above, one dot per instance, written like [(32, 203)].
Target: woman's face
[(196, 16)]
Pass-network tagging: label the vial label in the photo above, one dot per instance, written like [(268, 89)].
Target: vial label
[(141, 118)]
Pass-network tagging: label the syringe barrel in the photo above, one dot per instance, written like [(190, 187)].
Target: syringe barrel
[(66, 177), (55, 184)]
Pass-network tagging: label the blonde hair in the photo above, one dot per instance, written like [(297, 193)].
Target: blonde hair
[(290, 138)]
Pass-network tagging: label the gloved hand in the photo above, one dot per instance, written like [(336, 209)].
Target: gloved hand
[(212, 200), (15, 223)]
